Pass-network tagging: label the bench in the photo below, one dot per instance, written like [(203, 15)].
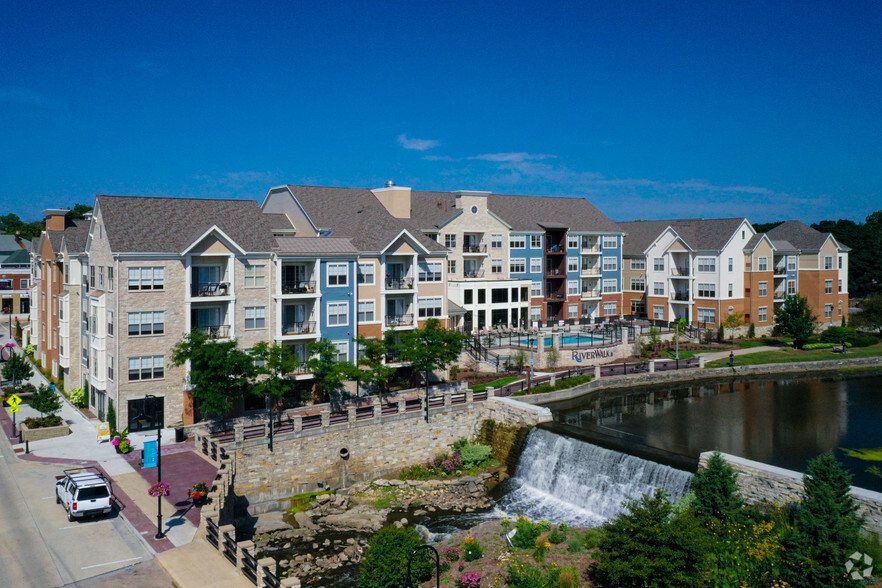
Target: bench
[(840, 348)]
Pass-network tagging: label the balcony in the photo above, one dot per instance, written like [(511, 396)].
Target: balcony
[(298, 328), (780, 269), (399, 320), (478, 273), (298, 287), (591, 271), (680, 271), (680, 296), (208, 289), (474, 248), (555, 296), (215, 331), (590, 247), (555, 272), (6, 286), (399, 283), (556, 248), (590, 293), (780, 294)]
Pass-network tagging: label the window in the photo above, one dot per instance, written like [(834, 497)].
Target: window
[(150, 367), (763, 288), (365, 274), (109, 322), (828, 286), (791, 287), (707, 290), (638, 264), (573, 311), (255, 276), (517, 265), (25, 283), (572, 287), (536, 289), (610, 285), (535, 265), (840, 262), (791, 263), (658, 312), (451, 266), (535, 241), (500, 295), (496, 241), (762, 314), (255, 317), (840, 285), (707, 264), (338, 314), (610, 308), (366, 312), (146, 278), (840, 308), (638, 307), (338, 274), (610, 242), (517, 242), (110, 278), (658, 264), (535, 313), (67, 273), (467, 296), (482, 296), (572, 264), (731, 264), (638, 284), (658, 288), (429, 307), (430, 271), (762, 264), (572, 242), (110, 367), (92, 276), (731, 290), (828, 311), (6, 285), (450, 241), (610, 264), (828, 262), (707, 315), (100, 277), (342, 353), (146, 323), (496, 266)]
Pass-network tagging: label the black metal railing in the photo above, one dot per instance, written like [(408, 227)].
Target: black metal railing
[(298, 327), (298, 287), (216, 331), (474, 273), (679, 271), (679, 295), (210, 289), (399, 320), (399, 283), (474, 248)]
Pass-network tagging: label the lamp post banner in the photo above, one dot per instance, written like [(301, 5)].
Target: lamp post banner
[(150, 454)]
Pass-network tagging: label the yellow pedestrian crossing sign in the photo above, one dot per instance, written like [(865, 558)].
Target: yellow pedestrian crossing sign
[(14, 409), (14, 401)]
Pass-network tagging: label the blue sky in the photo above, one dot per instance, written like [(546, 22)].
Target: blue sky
[(769, 110)]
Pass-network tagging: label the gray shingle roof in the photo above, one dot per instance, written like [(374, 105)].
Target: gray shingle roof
[(641, 234), (335, 246), (753, 241), (798, 233), (700, 234), (356, 213), (8, 244), (170, 225), (21, 256), (278, 221), (75, 236), (782, 246)]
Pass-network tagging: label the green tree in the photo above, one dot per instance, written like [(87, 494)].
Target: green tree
[(733, 321), (716, 490), (220, 372), (751, 331), (648, 546), (10, 223), (45, 400), (870, 315), (272, 362), (385, 559), (430, 348), (328, 374), (794, 318), (78, 212), (17, 368), (552, 357), (373, 357), (826, 526)]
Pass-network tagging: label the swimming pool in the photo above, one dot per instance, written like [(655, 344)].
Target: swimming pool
[(567, 340)]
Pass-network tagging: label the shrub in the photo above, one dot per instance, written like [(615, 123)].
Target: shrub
[(46, 401), (415, 472), (79, 398), (541, 547), (568, 578), (864, 341), (558, 535), (811, 346), (751, 331), (471, 549), (838, 335), (524, 575), (385, 559), (525, 537), (39, 423), (451, 553), (470, 580), (716, 490), (474, 455)]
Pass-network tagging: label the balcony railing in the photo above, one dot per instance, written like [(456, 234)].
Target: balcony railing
[(590, 293), (781, 270), (392, 356), (399, 284), (780, 294), (216, 331), (679, 271), (211, 289), (556, 296), (481, 248), (298, 287), (591, 271), (555, 272), (298, 328), (591, 247), (558, 248), (679, 295), (399, 320), (473, 273)]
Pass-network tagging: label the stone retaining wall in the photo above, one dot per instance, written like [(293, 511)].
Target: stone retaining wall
[(759, 482), (43, 432)]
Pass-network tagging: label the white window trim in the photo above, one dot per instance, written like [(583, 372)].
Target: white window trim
[(358, 311), (372, 274), (343, 304)]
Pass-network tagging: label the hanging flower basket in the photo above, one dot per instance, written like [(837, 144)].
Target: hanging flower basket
[(159, 489), (199, 493)]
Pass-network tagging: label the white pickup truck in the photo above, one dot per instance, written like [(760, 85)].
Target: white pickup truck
[(83, 493)]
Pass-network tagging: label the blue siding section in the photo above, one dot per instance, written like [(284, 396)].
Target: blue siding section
[(612, 252), (338, 294), (527, 254)]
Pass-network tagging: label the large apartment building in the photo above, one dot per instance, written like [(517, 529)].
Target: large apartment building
[(15, 275)]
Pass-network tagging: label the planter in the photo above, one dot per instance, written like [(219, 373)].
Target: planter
[(43, 432)]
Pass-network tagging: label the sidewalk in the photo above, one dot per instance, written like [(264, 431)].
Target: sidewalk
[(738, 351), (187, 562)]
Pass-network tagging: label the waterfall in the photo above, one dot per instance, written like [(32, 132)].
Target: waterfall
[(567, 480)]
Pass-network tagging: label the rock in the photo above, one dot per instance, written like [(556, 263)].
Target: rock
[(305, 521), (359, 518), (398, 524), (419, 513), (381, 483), (323, 498), (269, 522)]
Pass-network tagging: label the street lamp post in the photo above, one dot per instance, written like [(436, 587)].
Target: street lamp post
[(159, 533)]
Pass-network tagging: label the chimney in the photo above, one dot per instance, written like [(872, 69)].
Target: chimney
[(396, 199), (55, 218)]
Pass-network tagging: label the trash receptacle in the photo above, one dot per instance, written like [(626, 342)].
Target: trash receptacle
[(179, 435)]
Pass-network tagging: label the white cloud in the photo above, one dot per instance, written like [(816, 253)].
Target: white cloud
[(513, 157), (438, 158), (416, 144)]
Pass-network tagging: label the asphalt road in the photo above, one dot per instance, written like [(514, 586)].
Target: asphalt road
[(40, 548)]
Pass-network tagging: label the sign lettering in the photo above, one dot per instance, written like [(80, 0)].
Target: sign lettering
[(580, 356)]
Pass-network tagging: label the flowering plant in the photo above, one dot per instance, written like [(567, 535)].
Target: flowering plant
[(470, 580), (471, 549), (125, 446), (159, 489), (199, 491)]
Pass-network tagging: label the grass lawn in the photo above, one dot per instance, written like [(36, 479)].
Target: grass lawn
[(497, 383), (796, 355), (684, 354)]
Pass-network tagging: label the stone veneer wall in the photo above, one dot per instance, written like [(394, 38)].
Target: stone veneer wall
[(759, 482), (374, 448)]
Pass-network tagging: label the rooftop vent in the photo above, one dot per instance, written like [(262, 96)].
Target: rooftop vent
[(390, 183)]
